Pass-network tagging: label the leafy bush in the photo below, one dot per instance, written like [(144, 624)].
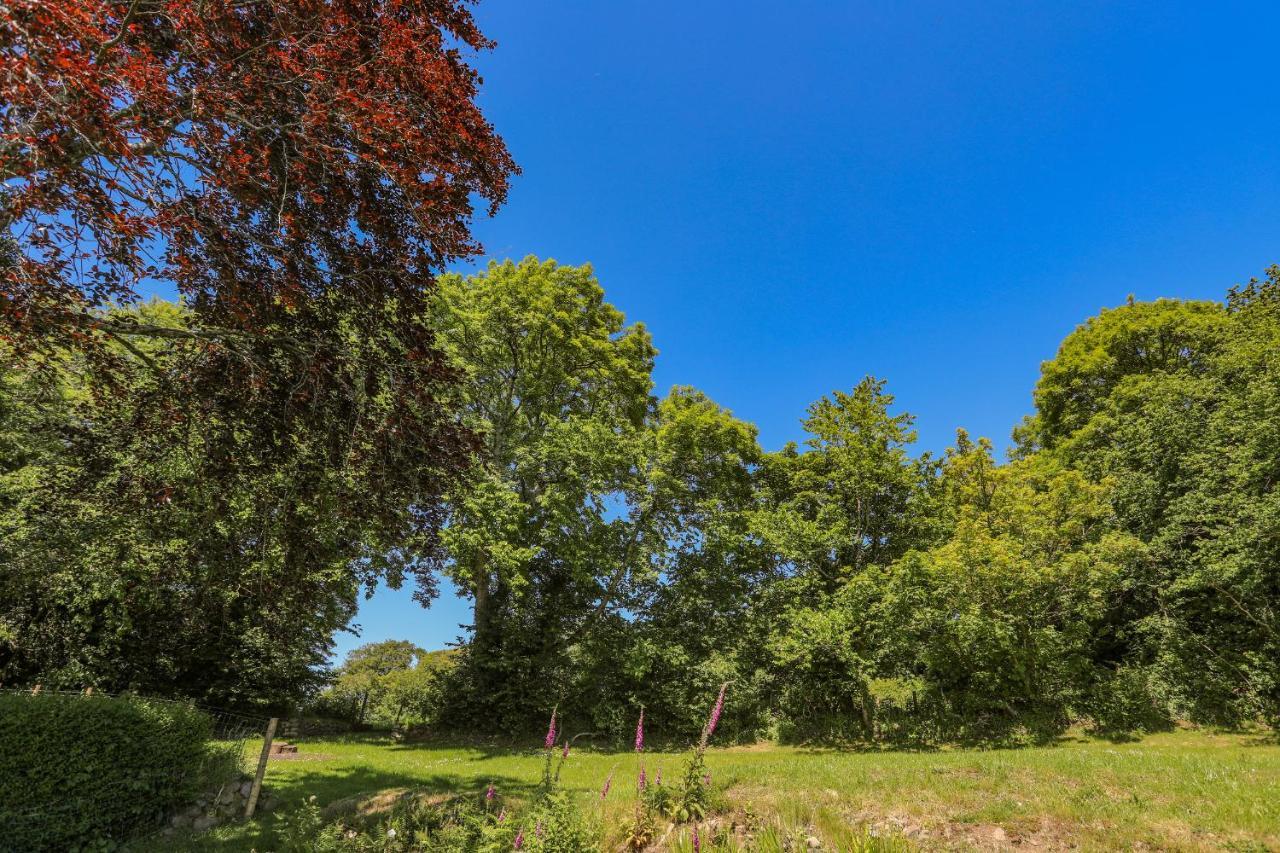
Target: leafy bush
[(1129, 701), (80, 772)]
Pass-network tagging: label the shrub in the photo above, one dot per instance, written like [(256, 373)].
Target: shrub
[(1127, 702), (80, 772)]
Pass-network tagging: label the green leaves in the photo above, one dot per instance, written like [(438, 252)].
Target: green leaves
[(1176, 405), (855, 498), (211, 547), (77, 771), (549, 532)]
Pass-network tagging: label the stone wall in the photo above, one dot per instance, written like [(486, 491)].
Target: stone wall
[(224, 804)]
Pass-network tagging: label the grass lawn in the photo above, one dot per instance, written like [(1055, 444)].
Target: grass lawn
[(1184, 790)]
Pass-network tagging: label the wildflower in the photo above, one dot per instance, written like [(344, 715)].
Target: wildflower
[(717, 710), (564, 753), (519, 842), (642, 781), (537, 830), (657, 778), (502, 816), (706, 779), (608, 783), (551, 731), (490, 793), (391, 833), (640, 732), (697, 841)]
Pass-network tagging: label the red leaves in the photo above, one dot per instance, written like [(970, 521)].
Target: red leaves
[(236, 142)]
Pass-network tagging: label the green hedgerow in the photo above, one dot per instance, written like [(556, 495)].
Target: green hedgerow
[(87, 772)]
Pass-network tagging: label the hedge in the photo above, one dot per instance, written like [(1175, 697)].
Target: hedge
[(87, 772)]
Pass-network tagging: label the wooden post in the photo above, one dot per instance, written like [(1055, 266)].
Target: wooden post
[(262, 769)]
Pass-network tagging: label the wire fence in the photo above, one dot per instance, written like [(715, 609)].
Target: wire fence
[(211, 788)]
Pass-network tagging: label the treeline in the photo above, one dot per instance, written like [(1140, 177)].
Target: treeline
[(193, 496), (1121, 568)]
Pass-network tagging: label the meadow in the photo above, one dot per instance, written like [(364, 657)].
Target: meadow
[(1189, 789)]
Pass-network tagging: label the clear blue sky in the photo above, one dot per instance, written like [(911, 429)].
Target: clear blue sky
[(793, 195)]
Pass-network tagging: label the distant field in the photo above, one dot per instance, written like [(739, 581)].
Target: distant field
[(1186, 790)]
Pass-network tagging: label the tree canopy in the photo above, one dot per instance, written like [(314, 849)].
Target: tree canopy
[(211, 483), (194, 493)]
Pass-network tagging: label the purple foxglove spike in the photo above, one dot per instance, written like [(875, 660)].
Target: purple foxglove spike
[(519, 842), (697, 841), (641, 781), (608, 783), (551, 731), (490, 793), (640, 732), (717, 710)]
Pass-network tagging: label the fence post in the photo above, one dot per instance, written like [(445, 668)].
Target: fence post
[(262, 769)]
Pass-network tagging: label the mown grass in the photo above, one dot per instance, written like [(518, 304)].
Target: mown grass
[(1183, 790)]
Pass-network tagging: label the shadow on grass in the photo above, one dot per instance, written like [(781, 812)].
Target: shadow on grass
[(329, 786)]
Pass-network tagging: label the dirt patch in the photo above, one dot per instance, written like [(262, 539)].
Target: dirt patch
[(379, 802)]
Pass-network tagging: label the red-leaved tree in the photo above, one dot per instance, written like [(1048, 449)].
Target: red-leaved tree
[(297, 171), (254, 153)]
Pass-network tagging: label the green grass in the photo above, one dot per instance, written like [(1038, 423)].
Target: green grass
[(1184, 790)]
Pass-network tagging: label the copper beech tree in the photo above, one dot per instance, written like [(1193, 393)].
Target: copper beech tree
[(258, 154), (296, 171)]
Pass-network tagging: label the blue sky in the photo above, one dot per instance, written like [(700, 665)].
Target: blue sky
[(794, 195)]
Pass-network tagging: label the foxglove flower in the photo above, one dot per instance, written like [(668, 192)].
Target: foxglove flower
[(564, 753), (608, 783), (697, 841), (642, 781), (551, 731), (490, 793), (717, 711), (537, 830), (640, 732), (519, 842), (657, 777), (502, 816)]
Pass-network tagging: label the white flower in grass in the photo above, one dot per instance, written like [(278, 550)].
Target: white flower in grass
[(391, 833)]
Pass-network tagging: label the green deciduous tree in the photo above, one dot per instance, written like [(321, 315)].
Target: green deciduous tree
[(855, 498), (1001, 621), (162, 543), (1175, 404), (547, 533), (371, 671), (681, 637)]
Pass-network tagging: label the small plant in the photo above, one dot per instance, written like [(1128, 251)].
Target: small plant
[(640, 833), (553, 824), (693, 799), (298, 829)]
